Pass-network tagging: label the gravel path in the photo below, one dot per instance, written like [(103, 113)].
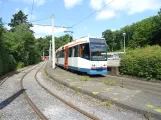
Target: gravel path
[(13, 106), (103, 110), (50, 106)]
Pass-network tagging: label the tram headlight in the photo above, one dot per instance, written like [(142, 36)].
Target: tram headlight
[(105, 65), (93, 66)]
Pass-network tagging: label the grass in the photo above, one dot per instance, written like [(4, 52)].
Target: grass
[(122, 83), (148, 115), (77, 91), (20, 65), (84, 78), (108, 104), (47, 76), (109, 82)]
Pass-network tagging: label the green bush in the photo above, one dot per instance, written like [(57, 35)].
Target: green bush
[(12, 63), (7, 62), (20, 65), (142, 62)]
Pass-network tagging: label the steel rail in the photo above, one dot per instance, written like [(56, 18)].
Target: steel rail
[(34, 107), (8, 74), (66, 102)]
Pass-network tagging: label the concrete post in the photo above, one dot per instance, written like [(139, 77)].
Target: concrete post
[(53, 43)]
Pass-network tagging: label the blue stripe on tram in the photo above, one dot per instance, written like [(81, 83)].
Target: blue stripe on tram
[(88, 71)]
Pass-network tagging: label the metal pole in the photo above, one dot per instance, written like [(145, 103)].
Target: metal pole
[(53, 44), (124, 34), (50, 52), (124, 43)]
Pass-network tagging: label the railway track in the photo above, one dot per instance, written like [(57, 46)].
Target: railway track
[(34, 107), (9, 75), (38, 111), (2, 81)]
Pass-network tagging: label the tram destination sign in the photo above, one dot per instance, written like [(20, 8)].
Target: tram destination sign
[(97, 40)]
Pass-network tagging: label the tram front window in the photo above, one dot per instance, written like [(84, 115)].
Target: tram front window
[(98, 52)]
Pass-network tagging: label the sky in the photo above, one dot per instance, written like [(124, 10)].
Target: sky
[(114, 16)]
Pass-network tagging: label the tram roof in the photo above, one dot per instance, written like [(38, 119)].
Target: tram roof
[(80, 41)]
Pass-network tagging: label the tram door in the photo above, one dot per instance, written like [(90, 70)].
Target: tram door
[(66, 58)]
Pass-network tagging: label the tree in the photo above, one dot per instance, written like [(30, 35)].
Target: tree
[(139, 34), (20, 43), (62, 40), (1, 31), (42, 45), (110, 39), (7, 62), (156, 34), (18, 19)]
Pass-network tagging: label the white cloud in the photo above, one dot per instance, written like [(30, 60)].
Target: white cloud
[(96, 4), (128, 6), (106, 14), (41, 31), (37, 2), (71, 3), (113, 29), (38, 36), (7, 27), (141, 6)]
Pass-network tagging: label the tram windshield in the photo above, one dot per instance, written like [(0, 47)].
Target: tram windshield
[(98, 52)]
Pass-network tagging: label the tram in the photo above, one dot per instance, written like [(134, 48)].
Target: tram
[(87, 55)]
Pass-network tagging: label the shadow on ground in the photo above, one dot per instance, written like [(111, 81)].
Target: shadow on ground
[(7, 101)]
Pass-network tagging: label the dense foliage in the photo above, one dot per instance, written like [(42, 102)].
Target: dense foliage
[(60, 41), (42, 44), (18, 18), (7, 62), (140, 34), (21, 45), (142, 62), (17, 46)]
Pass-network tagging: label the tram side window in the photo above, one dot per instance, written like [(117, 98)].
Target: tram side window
[(85, 51), (62, 54), (75, 51), (70, 52)]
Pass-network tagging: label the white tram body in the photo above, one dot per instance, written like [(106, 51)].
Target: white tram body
[(84, 55)]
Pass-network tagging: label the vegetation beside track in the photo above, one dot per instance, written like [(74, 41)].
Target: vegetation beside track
[(142, 62), (7, 61), (18, 45), (139, 34)]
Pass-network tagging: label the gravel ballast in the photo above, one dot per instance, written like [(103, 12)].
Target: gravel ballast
[(91, 105), (52, 108), (13, 106)]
